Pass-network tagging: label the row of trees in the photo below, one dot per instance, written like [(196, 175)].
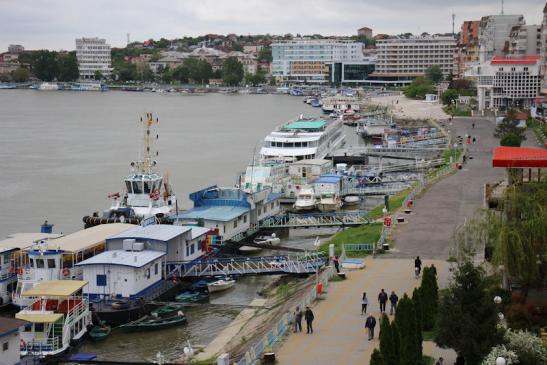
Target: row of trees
[(401, 340), (47, 66), (200, 71), (508, 132)]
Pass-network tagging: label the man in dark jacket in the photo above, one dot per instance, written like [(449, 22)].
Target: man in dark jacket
[(297, 320), (418, 265), (370, 324), (393, 299), (382, 298), (308, 316)]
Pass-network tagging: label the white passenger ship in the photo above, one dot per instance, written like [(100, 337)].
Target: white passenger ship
[(304, 138)]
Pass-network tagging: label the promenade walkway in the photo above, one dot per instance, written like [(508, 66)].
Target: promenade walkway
[(448, 203), (340, 336), (339, 329)]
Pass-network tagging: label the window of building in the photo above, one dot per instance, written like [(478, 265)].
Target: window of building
[(39, 263), (51, 263), (101, 280), (192, 249), (245, 218), (157, 268), (235, 223), (5, 346), (147, 274)]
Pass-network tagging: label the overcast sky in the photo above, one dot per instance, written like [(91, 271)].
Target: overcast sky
[(54, 24)]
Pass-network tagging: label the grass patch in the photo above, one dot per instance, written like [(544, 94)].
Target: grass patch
[(367, 233), (427, 360), (395, 202), (209, 361), (428, 335), (457, 112)]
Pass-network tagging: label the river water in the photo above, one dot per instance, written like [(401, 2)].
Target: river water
[(62, 153)]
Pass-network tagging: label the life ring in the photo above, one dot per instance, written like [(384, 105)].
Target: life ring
[(66, 271), (22, 344)]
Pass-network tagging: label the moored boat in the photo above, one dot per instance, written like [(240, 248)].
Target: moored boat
[(272, 240), (152, 323), (165, 311), (329, 202), (352, 200), (305, 200), (100, 332), (192, 296), (220, 285)]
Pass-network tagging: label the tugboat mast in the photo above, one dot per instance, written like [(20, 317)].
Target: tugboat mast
[(147, 163)]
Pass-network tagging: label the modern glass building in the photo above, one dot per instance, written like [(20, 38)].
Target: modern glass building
[(320, 61)]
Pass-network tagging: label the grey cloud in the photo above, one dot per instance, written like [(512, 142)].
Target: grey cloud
[(55, 24)]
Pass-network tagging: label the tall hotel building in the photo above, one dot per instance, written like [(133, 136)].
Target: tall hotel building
[(93, 55)]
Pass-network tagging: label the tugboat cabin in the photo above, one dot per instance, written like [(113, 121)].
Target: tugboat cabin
[(58, 314)]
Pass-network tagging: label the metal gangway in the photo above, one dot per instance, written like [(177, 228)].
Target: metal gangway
[(338, 219), (260, 265), (408, 153), (385, 189)]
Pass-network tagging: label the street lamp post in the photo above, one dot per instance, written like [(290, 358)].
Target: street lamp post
[(500, 361)]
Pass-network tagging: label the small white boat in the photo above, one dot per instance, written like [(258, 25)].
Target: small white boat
[(267, 240), (249, 249), (352, 200), (305, 200), (220, 285), (48, 86), (329, 202)]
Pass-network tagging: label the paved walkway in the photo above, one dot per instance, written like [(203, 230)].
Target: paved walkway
[(448, 203), (339, 329)]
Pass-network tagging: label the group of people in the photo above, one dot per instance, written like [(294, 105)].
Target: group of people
[(308, 317), (383, 298)]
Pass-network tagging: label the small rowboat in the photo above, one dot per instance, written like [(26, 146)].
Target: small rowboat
[(191, 297), (99, 333), (220, 285), (167, 311), (151, 323)]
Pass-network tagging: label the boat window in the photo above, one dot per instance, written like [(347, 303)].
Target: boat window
[(298, 144), (39, 263), (38, 327), (192, 249), (50, 263), (137, 187), (304, 144), (28, 328), (245, 218), (128, 186), (148, 273), (235, 223), (5, 346), (156, 268), (147, 186)]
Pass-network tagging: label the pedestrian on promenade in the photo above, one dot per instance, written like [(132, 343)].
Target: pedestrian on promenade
[(298, 320), (440, 361), (382, 298), (434, 269), (336, 263), (474, 140), (364, 303), (418, 266), (393, 299), (308, 316), (370, 324), (472, 125)]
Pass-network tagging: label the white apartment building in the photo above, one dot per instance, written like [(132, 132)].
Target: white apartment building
[(507, 81), (93, 55), (494, 34), (403, 59), (312, 60), (525, 40)]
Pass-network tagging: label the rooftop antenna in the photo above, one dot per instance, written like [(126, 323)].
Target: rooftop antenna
[(453, 19), (147, 163), (501, 7)]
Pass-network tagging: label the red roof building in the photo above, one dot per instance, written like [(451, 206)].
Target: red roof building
[(526, 60), (519, 157)]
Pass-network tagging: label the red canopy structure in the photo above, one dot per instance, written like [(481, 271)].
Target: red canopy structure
[(519, 157)]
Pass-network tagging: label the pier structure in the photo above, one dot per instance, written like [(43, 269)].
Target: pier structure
[(316, 220), (260, 265)]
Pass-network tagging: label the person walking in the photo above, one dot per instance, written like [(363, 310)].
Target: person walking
[(393, 299), (364, 303), (474, 140), (336, 263), (308, 316), (418, 266), (472, 125), (370, 323), (298, 320), (382, 298)]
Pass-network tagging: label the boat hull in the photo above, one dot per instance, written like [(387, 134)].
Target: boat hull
[(218, 288)]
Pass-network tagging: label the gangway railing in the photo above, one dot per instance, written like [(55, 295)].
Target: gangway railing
[(259, 265), (339, 219), (386, 189)]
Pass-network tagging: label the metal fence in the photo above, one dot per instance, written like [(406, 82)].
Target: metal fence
[(356, 247), (282, 326)]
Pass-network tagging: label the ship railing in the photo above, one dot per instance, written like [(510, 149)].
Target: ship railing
[(25, 273), (81, 307), (6, 275), (38, 347)]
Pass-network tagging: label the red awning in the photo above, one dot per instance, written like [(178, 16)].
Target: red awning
[(526, 60), (519, 157)]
